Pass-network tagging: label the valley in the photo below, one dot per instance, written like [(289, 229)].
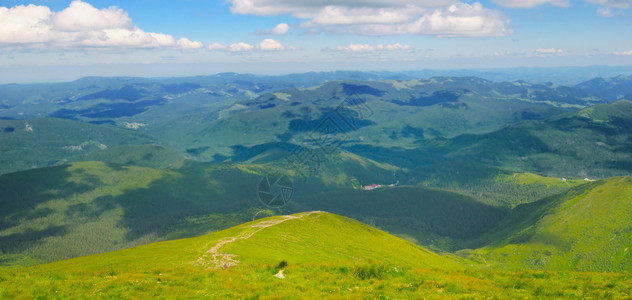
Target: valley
[(393, 186)]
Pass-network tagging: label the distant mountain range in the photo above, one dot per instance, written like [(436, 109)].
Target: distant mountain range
[(213, 118)]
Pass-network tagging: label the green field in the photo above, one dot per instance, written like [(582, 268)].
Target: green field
[(319, 254)]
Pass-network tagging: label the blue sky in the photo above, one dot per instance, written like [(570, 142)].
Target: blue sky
[(53, 40)]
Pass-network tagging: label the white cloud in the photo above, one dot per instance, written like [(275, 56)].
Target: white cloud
[(186, 44), (369, 48), (80, 25), (382, 17), (81, 16), (270, 45), (626, 53), (217, 47), (548, 51), (458, 20), (337, 15), (280, 29), (303, 9), (530, 3), (354, 48), (462, 20), (240, 47), (396, 47)]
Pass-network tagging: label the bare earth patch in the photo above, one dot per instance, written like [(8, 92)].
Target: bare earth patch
[(215, 259)]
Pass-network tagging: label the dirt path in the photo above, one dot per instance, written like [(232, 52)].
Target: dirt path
[(215, 259)]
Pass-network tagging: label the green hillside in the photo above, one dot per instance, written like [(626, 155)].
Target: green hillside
[(469, 189), (84, 208), (487, 184), (439, 220), (305, 255), (92, 207), (36, 143), (587, 229), (594, 142)]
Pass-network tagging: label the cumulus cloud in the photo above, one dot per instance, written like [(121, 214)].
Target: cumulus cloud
[(369, 48), (303, 9), (337, 15), (462, 20), (457, 20), (217, 47), (270, 45), (280, 29), (530, 3), (381, 17), (626, 53), (186, 44), (80, 25), (241, 47)]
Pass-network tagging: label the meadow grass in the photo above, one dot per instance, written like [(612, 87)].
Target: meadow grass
[(315, 265)]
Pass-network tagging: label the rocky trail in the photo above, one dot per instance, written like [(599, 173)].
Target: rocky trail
[(215, 259)]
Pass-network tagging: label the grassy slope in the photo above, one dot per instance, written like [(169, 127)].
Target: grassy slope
[(327, 257), (587, 228), (92, 207), (439, 220), (321, 237)]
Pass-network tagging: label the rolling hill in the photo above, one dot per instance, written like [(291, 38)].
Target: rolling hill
[(122, 206), (394, 113), (514, 177), (585, 229), (305, 255), (594, 142), (66, 211)]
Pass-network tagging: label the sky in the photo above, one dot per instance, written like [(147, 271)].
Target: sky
[(54, 40)]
